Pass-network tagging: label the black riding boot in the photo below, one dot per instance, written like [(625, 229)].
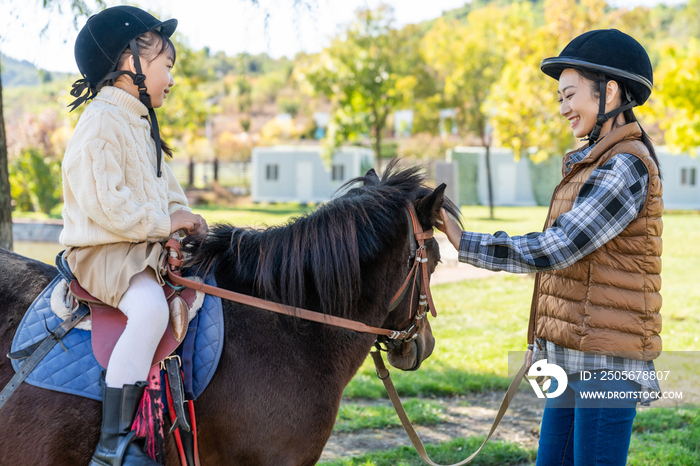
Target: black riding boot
[(117, 446)]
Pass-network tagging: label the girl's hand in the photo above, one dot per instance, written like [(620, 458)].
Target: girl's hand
[(193, 224), (451, 228)]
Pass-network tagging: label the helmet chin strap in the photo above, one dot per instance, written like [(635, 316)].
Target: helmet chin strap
[(139, 80), (146, 100), (602, 116)]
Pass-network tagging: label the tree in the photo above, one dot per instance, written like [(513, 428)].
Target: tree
[(78, 8), (5, 197), (469, 58), (360, 72), (676, 100), (185, 114), (35, 181), (524, 104)]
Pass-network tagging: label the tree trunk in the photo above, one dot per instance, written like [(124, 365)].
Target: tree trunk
[(216, 170), (485, 134), (488, 179), (5, 197), (378, 147), (191, 174)]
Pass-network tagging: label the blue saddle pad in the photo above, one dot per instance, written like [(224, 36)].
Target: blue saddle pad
[(76, 371)]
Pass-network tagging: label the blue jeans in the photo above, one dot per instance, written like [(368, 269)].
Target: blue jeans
[(587, 432)]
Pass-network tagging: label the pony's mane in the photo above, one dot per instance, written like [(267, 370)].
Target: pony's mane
[(314, 260)]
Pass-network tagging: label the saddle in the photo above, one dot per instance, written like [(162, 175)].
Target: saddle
[(108, 322), (77, 371)]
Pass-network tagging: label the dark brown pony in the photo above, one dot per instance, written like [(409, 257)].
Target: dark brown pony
[(276, 392)]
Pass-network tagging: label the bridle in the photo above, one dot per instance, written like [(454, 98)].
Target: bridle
[(417, 277)]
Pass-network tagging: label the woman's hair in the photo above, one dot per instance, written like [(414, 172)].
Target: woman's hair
[(628, 114), (151, 45)]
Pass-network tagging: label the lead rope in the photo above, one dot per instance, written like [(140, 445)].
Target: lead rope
[(385, 377)]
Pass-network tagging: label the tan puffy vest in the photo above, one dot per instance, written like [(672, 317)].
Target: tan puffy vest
[(608, 302)]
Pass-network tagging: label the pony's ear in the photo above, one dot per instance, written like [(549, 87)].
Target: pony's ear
[(371, 176), (428, 208)]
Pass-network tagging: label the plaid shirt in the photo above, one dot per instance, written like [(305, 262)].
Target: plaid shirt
[(610, 199)]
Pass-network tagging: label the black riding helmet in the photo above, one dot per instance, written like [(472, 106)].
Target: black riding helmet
[(615, 56), (99, 46)]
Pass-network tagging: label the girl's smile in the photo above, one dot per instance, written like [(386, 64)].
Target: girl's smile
[(159, 78)]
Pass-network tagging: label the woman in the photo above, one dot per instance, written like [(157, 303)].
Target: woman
[(596, 301)]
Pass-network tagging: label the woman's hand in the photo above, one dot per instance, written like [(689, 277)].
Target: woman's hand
[(193, 224), (451, 228)]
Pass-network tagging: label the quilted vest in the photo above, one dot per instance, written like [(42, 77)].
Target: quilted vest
[(608, 302)]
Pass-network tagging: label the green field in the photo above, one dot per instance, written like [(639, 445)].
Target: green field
[(480, 321)]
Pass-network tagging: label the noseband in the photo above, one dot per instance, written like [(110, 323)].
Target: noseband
[(417, 275)]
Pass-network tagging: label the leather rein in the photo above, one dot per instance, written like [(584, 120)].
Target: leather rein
[(417, 276)]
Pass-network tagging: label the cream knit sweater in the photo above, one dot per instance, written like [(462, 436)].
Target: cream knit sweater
[(110, 189)]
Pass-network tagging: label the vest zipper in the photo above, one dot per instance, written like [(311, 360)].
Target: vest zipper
[(532, 324)]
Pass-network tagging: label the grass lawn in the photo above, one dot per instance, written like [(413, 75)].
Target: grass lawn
[(355, 416), (668, 436), (661, 436), (253, 215), (494, 453)]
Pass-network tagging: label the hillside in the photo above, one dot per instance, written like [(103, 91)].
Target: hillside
[(23, 73), (18, 73)]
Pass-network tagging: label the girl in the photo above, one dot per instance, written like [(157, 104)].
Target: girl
[(596, 302), (120, 203)]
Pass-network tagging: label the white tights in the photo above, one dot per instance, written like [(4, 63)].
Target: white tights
[(147, 312)]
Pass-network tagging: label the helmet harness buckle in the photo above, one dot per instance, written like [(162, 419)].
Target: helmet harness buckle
[(145, 98), (604, 117)]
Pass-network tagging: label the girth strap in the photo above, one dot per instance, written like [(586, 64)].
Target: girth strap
[(186, 440), (172, 369), (41, 351)]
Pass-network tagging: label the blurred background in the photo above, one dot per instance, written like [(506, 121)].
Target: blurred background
[(278, 103), (353, 84)]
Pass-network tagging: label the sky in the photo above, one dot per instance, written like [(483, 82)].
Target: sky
[(234, 26)]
